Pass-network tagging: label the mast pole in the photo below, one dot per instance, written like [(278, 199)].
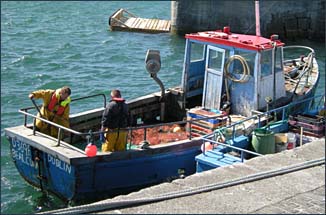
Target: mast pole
[(257, 15)]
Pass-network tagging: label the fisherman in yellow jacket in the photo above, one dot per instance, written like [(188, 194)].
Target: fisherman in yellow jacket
[(55, 109)]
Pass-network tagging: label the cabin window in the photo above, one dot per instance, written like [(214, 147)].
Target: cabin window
[(237, 67), (278, 64), (266, 63), (197, 52), (216, 59)]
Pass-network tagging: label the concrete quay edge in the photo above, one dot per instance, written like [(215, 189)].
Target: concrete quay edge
[(298, 192)]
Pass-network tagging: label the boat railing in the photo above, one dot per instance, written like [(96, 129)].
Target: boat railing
[(146, 127), (95, 95), (241, 150), (310, 53), (90, 135), (60, 128), (214, 137), (283, 110), (23, 110), (299, 47), (307, 66)]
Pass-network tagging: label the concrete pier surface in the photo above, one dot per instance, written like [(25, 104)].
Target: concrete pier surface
[(289, 182)]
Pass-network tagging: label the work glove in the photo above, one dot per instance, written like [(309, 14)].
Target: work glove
[(102, 139)]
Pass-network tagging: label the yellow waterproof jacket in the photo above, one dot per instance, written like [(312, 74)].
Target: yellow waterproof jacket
[(63, 119)]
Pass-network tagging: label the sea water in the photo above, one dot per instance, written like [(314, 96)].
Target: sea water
[(46, 45)]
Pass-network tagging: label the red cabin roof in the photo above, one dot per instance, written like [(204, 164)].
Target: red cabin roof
[(226, 38)]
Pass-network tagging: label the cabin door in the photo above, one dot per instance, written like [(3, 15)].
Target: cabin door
[(213, 77)]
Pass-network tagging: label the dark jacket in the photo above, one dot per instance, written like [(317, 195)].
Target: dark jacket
[(115, 115)]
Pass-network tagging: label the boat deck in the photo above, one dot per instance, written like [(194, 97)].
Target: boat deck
[(302, 85), (123, 20)]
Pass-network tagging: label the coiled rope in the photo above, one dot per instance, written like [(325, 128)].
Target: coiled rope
[(108, 204), (246, 70), (245, 75)]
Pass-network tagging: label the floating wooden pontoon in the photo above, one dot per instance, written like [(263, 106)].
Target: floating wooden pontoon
[(123, 20)]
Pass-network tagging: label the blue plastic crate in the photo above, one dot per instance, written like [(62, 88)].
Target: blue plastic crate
[(217, 120), (214, 159)]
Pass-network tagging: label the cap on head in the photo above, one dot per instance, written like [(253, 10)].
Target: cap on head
[(116, 93)]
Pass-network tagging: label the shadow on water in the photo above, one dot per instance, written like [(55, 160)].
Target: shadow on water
[(45, 202), (48, 202)]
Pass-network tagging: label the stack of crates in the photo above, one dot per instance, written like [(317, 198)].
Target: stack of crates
[(205, 126), (312, 125)]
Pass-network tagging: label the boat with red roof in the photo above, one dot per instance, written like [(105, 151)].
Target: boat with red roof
[(226, 77)]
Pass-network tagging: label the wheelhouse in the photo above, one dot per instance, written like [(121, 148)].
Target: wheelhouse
[(222, 68)]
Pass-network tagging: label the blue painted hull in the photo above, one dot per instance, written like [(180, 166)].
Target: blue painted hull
[(49, 173), (89, 178)]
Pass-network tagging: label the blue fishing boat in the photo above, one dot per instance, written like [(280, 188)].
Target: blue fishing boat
[(225, 75)]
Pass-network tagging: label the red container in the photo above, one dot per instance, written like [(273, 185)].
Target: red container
[(290, 145)]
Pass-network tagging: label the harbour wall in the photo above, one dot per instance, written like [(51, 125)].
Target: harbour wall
[(289, 19)]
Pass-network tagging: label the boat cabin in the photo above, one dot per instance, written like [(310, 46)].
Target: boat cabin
[(226, 69)]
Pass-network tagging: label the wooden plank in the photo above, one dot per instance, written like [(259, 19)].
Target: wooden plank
[(156, 23), (161, 26), (166, 22), (118, 21), (148, 23), (142, 25), (152, 24), (167, 25), (130, 21), (132, 25), (136, 23)]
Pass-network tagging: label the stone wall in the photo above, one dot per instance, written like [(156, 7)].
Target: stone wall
[(290, 19)]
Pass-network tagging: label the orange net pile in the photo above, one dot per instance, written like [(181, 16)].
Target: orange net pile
[(160, 134)]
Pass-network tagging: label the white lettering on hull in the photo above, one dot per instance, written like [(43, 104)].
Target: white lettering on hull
[(59, 164), (22, 152)]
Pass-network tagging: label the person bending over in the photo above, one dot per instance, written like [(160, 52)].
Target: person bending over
[(56, 107)]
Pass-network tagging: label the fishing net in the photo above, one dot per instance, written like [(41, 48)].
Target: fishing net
[(158, 135)]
